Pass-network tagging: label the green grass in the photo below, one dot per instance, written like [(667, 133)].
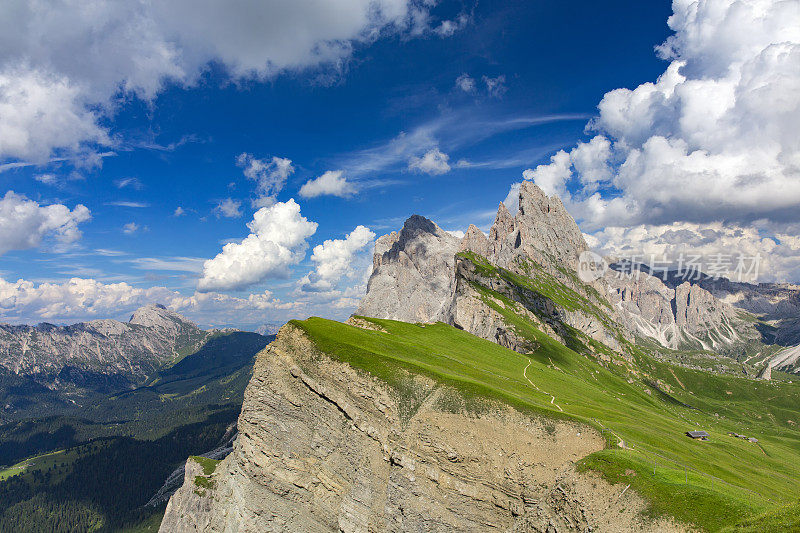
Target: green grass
[(209, 465), (204, 482), (537, 281), (40, 462), (777, 520), (614, 395), (668, 488), (11, 471)]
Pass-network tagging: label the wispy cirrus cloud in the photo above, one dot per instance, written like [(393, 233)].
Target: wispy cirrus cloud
[(130, 182), (174, 264), (126, 203), (449, 132)]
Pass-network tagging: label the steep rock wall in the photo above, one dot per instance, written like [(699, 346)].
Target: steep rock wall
[(323, 447), (417, 277)]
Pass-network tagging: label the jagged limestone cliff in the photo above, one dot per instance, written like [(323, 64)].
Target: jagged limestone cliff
[(325, 447), (424, 274), (687, 316)]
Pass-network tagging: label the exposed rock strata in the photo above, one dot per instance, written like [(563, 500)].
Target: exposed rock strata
[(323, 447)]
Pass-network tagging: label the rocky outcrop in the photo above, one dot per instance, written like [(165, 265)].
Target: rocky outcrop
[(501, 234), (324, 448), (475, 241), (412, 274), (80, 352), (416, 278), (468, 309), (546, 232), (191, 507), (542, 231), (697, 311)]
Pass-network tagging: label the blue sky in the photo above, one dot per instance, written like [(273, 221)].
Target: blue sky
[(497, 90)]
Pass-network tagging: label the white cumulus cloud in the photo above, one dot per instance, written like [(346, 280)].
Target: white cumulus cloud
[(40, 111), (25, 224), (332, 183), (714, 138), (65, 66), (335, 259), (711, 245), (277, 240), (434, 162), (24, 301)]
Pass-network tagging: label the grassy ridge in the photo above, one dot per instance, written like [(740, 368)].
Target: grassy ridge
[(571, 385)]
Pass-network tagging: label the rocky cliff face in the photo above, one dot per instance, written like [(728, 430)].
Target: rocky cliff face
[(684, 317), (323, 447), (776, 303), (542, 232), (412, 273), (418, 277), (81, 352)]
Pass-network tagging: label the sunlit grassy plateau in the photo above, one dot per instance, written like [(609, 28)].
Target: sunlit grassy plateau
[(721, 483)]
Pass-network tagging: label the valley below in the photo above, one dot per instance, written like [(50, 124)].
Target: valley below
[(97, 455)]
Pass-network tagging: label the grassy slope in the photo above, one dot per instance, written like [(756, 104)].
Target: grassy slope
[(600, 396), (777, 520), (40, 462)]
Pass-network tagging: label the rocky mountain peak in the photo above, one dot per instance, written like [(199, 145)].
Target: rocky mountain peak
[(418, 223), (503, 221), (157, 315), (416, 275), (532, 198), (475, 241), (412, 272), (545, 228)]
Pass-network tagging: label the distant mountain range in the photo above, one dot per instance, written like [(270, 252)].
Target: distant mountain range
[(269, 328), (100, 353)]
